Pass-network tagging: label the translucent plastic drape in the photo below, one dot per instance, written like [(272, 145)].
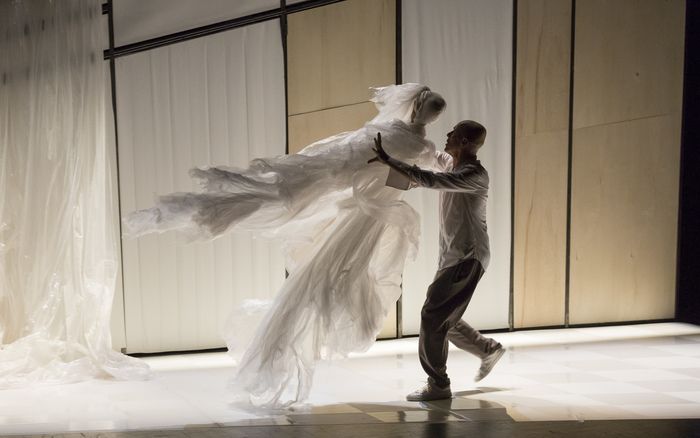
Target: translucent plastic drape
[(58, 243)]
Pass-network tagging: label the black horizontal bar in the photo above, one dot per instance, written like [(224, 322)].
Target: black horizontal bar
[(309, 4), (105, 8), (211, 29)]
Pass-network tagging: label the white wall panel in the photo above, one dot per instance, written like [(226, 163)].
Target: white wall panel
[(213, 100), (138, 20), (463, 50)]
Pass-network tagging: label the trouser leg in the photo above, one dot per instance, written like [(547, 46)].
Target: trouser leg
[(467, 338), (446, 301)]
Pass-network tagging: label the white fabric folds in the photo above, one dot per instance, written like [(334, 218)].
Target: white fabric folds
[(346, 235), (58, 247)]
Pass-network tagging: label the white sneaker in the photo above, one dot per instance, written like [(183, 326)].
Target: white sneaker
[(488, 363), (429, 392)]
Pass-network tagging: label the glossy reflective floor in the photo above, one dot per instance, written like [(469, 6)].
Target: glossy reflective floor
[(638, 372)]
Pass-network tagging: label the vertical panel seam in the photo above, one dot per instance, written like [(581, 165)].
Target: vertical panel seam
[(283, 31), (680, 212), (113, 86), (567, 282), (511, 290), (398, 79)]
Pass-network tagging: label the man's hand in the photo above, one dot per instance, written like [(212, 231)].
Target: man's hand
[(379, 150)]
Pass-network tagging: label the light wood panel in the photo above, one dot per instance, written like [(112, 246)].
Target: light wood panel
[(629, 59), (541, 155), (336, 52), (624, 214), (627, 108), (307, 128)]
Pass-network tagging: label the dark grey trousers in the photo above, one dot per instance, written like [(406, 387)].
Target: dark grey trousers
[(446, 301)]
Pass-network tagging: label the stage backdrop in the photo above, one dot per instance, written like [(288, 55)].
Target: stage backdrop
[(618, 128), (212, 100), (463, 50), (620, 193)]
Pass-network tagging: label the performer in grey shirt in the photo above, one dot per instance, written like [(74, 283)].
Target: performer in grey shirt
[(464, 255)]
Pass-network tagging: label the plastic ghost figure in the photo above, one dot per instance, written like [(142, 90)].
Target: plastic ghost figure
[(346, 238)]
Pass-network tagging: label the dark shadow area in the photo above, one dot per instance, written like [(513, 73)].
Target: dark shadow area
[(688, 274), (480, 429)]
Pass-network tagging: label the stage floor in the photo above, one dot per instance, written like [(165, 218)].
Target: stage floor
[(649, 371)]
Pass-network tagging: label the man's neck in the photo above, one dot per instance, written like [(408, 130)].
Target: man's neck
[(462, 159)]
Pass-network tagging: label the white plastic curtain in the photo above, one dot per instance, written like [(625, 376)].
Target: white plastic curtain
[(215, 100), (463, 50), (58, 243)]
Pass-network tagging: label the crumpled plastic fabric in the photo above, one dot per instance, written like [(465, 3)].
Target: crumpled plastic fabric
[(58, 241), (346, 239)]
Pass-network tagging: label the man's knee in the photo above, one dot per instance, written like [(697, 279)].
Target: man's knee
[(433, 322)]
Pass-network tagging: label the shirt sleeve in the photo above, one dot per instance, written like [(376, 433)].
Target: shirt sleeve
[(468, 179)]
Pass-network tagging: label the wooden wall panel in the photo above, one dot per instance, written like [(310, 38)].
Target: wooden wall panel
[(541, 155), (336, 52), (627, 109), (624, 214), (629, 60)]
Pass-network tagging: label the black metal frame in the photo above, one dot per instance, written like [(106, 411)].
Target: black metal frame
[(688, 239), (280, 13), (514, 67), (569, 166), (283, 30), (398, 57), (107, 9), (210, 29)]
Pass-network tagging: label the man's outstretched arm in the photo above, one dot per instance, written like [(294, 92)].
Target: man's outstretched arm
[(465, 180)]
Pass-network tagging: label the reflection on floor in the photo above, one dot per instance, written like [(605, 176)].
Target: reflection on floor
[(649, 371)]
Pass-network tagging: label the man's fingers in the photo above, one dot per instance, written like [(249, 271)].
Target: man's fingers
[(372, 160)]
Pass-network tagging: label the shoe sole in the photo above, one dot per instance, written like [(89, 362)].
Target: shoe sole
[(500, 353), (419, 399)]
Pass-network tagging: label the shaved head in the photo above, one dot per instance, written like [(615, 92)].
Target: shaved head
[(473, 132)]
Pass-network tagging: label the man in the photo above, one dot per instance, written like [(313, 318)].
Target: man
[(464, 255)]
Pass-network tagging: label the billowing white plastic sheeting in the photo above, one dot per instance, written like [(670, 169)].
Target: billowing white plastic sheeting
[(463, 50), (217, 100), (138, 20), (58, 244)]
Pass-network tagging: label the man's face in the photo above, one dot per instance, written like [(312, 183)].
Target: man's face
[(457, 141), (454, 141)]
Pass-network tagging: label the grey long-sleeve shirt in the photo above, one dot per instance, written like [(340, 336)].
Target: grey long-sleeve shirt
[(463, 195)]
